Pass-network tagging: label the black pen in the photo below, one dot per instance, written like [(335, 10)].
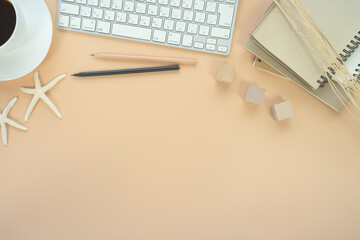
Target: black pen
[(128, 71)]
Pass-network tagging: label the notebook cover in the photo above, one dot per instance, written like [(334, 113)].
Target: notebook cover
[(264, 66)]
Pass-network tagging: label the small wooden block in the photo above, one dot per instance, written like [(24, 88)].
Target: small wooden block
[(225, 73), (282, 111), (255, 95)]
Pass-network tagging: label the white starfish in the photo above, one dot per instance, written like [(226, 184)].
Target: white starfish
[(39, 93), (5, 120)]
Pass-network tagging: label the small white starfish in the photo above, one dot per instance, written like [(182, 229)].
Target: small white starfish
[(39, 93), (5, 120)]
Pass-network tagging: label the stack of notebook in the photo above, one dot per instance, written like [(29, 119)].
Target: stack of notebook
[(282, 51)]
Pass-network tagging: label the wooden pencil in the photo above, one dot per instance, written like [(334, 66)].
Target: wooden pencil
[(181, 61)]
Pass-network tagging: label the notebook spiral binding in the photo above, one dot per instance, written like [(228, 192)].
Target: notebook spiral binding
[(350, 49), (357, 75)]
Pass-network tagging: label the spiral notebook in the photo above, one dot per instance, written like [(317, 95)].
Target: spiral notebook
[(339, 20), (324, 94), (275, 42)]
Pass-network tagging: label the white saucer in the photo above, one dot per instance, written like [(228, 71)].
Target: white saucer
[(36, 45)]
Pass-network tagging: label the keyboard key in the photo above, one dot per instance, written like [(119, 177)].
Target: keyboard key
[(69, 8), (117, 4), (204, 30), (211, 41), (174, 38), (188, 15), (212, 19), (129, 6), (153, 10), (210, 47), (133, 19), (88, 24), (198, 45), (164, 12), (187, 4), (199, 5), (180, 26), (93, 2), (81, 1), (220, 33), (175, 3), (211, 7), (192, 28), (105, 3), (187, 40), (226, 15), (64, 21), (145, 21), (163, 2), (121, 17), (176, 13), (109, 15), (200, 17), (131, 32), (140, 8), (159, 36), (97, 13), (156, 23), (103, 27), (222, 49), (85, 11), (75, 22), (168, 24)]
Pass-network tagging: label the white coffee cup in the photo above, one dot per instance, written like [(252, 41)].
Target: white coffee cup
[(17, 37)]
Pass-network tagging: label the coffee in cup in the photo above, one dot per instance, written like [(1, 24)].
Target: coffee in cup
[(7, 21), (12, 25)]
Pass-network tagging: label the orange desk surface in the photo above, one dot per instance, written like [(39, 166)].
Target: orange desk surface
[(174, 156)]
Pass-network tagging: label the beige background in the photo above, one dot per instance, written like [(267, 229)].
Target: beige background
[(174, 155)]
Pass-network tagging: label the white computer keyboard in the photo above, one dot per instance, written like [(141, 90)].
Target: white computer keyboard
[(202, 25)]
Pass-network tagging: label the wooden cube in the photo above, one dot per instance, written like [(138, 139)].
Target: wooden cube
[(282, 111), (255, 95), (225, 73)]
